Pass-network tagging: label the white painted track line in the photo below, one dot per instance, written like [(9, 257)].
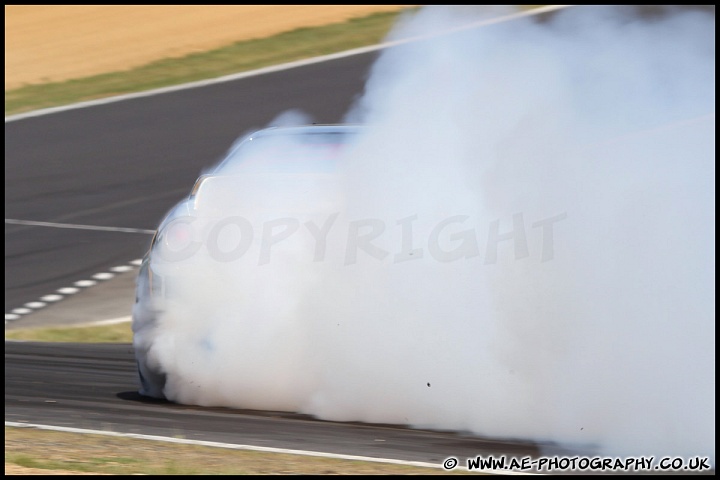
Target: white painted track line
[(253, 448)]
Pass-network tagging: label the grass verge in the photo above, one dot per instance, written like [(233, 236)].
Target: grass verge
[(116, 333), (27, 448), (238, 57)]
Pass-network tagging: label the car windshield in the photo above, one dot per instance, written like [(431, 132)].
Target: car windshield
[(296, 153)]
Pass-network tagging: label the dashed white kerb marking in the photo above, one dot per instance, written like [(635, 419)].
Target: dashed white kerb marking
[(68, 290), (52, 298), (35, 304), (121, 269), (17, 313), (103, 276)]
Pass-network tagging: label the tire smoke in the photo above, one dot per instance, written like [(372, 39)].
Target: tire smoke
[(524, 247)]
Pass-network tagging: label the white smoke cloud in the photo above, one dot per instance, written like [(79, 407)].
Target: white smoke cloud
[(554, 183)]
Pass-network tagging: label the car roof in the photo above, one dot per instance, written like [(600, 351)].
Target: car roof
[(306, 129), (284, 131)]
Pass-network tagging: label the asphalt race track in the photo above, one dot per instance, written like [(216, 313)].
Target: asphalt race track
[(125, 164), (94, 387)]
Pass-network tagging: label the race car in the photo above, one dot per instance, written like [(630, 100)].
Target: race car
[(269, 184)]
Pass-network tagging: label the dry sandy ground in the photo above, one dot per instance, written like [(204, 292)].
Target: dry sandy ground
[(49, 43), (11, 469)]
